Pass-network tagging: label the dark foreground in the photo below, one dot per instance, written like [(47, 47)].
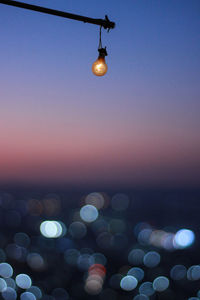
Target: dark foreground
[(137, 245)]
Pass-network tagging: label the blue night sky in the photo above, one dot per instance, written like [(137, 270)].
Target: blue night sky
[(138, 125)]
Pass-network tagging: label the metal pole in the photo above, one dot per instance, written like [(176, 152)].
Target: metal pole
[(106, 23)]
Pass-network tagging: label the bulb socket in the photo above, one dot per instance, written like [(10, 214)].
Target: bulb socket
[(102, 52)]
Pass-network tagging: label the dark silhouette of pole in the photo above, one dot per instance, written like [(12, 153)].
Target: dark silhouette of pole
[(106, 23)]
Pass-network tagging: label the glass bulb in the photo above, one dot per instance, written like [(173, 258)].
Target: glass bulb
[(99, 67)]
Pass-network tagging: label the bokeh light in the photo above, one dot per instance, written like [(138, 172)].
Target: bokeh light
[(89, 213), (23, 281), (85, 261), (193, 273), (10, 283), (99, 258), (3, 285), (22, 239), (95, 199), (27, 296), (144, 236), (138, 273), (128, 283), (35, 291), (151, 259), (160, 284), (178, 272), (184, 238), (95, 279), (6, 270), (9, 294), (72, 256), (35, 261), (136, 256), (51, 229), (77, 230), (147, 289)]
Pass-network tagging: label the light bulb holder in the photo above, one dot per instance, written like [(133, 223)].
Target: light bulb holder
[(102, 52)]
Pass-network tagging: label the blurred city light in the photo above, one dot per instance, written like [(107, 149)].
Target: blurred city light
[(23, 281), (6, 270), (51, 229), (184, 238), (89, 213), (128, 283), (160, 284), (88, 261)]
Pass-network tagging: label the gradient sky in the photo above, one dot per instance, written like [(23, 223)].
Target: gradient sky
[(138, 125)]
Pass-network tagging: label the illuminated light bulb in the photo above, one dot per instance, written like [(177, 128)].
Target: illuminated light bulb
[(99, 67)]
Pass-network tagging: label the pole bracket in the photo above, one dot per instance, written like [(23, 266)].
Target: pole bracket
[(105, 23)]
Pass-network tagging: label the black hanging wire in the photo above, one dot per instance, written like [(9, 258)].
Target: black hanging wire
[(100, 42), (102, 51)]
